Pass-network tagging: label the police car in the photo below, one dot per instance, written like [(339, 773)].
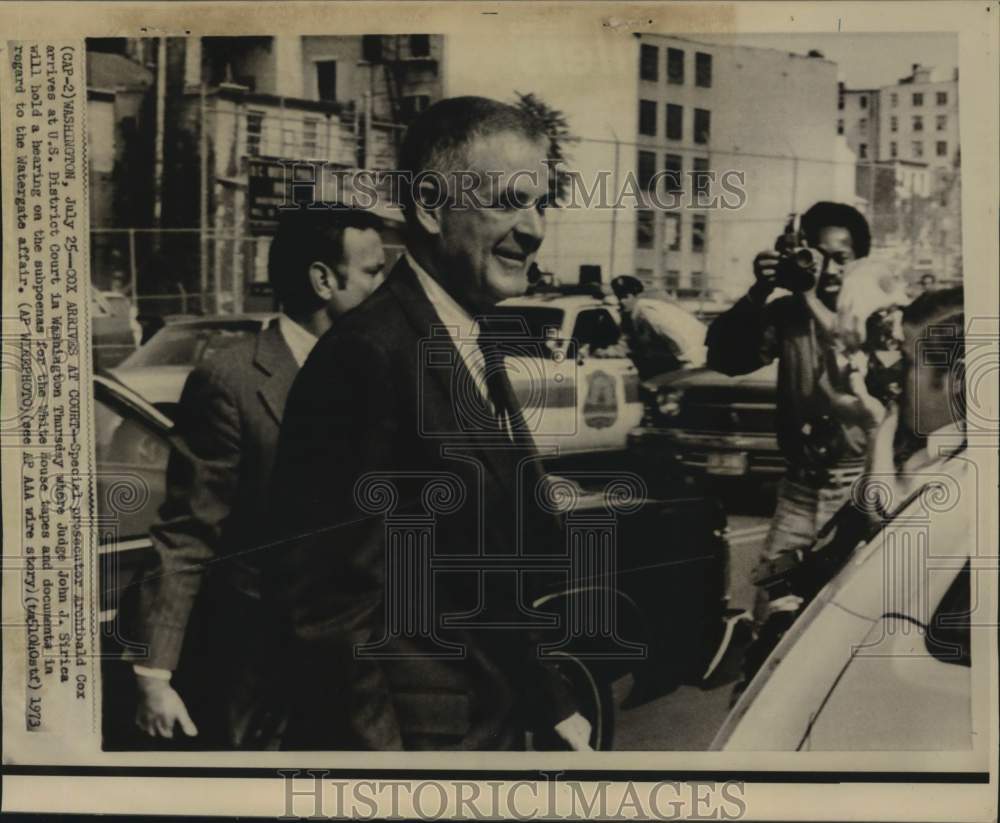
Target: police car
[(578, 389)]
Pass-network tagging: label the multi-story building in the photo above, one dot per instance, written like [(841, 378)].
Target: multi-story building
[(757, 112), (207, 147), (858, 120), (920, 118), (906, 140)]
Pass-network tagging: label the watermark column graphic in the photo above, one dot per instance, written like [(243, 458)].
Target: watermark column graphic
[(409, 600), (591, 525)]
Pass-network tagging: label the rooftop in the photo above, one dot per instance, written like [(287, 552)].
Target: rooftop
[(114, 71)]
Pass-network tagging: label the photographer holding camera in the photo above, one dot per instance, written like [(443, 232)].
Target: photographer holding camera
[(825, 452)]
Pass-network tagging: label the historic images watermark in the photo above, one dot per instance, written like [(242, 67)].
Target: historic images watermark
[(323, 185), (311, 794)]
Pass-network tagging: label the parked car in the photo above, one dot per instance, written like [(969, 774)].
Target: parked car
[(157, 370), (663, 570), (711, 423), (115, 332), (575, 402), (880, 659)]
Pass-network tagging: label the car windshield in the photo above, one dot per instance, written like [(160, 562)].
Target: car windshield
[(534, 320), (187, 344)]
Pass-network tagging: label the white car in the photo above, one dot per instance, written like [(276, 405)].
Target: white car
[(880, 660), (157, 370), (578, 403)]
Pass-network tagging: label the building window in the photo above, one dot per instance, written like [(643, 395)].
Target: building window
[(326, 80), (698, 229), (863, 123), (703, 70), (942, 122), (894, 99), (840, 97), (672, 232), (411, 105), (863, 151), (675, 122), (699, 176), (420, 45), (702, 125), (673, 279), (698, 280), (310, 132), (647, 117), (675, 66), (918, 98), (942, 98), (893, 150), (942, 148), (894, 124), (644, 230), (649, 62), (918, 123), (864, 101), (840, 126), (918, 149), (674, 168), (371, 48), (647, 168), (255, 132)]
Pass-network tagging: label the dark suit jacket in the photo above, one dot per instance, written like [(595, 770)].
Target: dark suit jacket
[(199, 608), (377, 402)]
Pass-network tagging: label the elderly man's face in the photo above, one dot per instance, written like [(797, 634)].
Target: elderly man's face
[(488, 242)]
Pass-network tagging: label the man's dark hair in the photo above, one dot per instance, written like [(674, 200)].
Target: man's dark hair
[(825, 213), (306, 236), (438, 140), (944, 311)]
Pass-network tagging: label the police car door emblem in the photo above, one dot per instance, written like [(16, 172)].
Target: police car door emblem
[(600, 407)]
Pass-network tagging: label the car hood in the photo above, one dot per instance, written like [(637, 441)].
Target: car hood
[(156, 384), (764, 378)]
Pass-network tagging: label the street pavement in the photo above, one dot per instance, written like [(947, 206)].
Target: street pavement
[(687, 718)]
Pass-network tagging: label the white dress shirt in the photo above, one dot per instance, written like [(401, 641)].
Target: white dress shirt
[(299, 340), (462, 328)]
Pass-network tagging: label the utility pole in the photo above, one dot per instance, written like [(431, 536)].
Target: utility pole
[(161, 99), (203, 200), (614, 211)]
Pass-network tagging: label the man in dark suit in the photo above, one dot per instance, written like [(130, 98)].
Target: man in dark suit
[(405, 468), (199, 609)]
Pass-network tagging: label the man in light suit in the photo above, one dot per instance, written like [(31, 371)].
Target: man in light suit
[(199, 609), (405, 393)]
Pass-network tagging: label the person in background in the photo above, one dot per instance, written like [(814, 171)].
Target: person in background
[(928, 282), (649, 347), (915, 436), (825, 454), (199, 609)]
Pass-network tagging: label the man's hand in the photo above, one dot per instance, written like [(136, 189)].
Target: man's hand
[(765, 270), (161, 708), (575, 730), (872, 411)]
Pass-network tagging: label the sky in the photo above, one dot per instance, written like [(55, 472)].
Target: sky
[(864, 60)]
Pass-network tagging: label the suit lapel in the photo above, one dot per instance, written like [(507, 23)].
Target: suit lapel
[(275, 360), (498, 458)]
